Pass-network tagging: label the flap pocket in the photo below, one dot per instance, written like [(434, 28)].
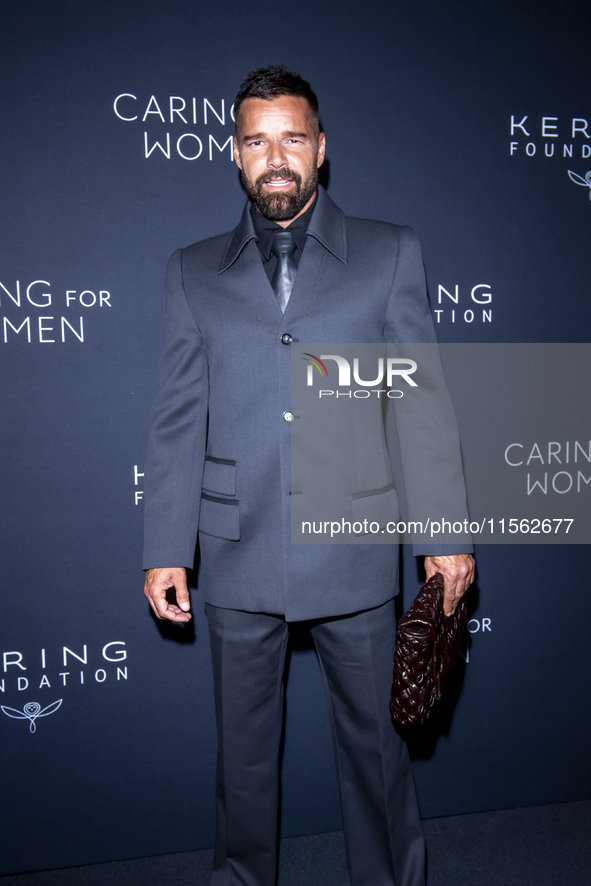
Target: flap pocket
[(379, 506), (220, 517), (219, 475)]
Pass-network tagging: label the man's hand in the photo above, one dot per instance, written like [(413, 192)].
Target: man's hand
[(158, 581), (458, 575)]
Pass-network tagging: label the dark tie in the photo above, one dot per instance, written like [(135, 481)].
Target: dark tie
[(283, 246)]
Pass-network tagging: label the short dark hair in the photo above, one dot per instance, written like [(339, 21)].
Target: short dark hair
[(271, 82)]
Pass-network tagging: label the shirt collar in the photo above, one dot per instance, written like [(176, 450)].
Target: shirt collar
[(264, 229)]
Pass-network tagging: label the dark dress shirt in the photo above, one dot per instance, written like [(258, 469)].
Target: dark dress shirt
[(265, 228)]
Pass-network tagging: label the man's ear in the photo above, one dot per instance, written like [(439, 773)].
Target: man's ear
[(237, 154), (321, 149)]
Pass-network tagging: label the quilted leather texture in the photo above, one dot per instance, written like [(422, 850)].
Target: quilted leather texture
[(427, 645)]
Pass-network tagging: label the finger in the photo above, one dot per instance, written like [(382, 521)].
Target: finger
[(449, 607), (168, 611), (182, 596), (173, 613), (450, 602)]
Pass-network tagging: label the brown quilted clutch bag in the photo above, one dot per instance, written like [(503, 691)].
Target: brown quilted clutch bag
[(427, 645)]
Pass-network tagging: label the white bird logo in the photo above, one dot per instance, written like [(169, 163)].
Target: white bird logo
[(31, 712), (579, 180)]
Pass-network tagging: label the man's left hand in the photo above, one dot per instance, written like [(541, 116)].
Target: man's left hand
[(458, 575)]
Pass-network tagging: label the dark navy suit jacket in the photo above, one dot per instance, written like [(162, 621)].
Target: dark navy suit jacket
[(219, 459)]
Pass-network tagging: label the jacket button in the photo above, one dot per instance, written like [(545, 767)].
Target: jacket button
[(288, 416), (286, 338)]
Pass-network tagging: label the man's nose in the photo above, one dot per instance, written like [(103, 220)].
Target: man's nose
[(276, 158)]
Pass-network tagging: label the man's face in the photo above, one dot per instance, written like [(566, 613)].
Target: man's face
[(278, 154)]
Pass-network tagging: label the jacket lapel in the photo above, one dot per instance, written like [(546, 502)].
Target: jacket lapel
[(327, 234), (328, 226)]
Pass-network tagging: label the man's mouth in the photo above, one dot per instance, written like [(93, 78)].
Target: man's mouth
[(277, 184)]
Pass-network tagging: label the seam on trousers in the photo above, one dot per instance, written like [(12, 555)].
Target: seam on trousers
[(381, 738), (337, 754)]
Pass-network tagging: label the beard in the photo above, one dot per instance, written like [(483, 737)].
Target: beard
[(280, 207)]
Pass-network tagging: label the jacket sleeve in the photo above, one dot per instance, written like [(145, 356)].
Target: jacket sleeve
[(177, 436), (424, 419)]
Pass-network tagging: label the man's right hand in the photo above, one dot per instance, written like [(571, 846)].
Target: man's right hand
[(157, 582)]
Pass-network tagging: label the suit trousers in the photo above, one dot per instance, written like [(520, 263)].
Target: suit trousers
[(383, 833)]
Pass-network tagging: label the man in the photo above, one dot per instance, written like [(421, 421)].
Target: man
[(219, 463)]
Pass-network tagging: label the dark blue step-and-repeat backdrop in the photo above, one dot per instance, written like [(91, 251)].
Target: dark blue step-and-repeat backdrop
[(470, 122)]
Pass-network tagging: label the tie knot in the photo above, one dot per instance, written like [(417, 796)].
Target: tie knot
[(283, 242)]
